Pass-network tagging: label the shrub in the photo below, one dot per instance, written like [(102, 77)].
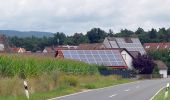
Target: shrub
[(90, 86)]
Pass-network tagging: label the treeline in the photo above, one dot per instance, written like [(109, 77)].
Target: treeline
[(95, 35)]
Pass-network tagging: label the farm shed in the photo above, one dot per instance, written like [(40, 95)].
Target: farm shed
[(162, 68)]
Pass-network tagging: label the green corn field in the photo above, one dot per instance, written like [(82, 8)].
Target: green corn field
[(29, 66)]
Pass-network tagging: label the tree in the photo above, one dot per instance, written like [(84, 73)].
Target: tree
[(152, 34), (143, 64), (125, 33), (111, 34), (139, 31), (79, 38), (59, 38), (96, 35)]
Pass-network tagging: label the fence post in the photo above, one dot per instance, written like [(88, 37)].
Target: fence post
[(26, 90), (166, 92)]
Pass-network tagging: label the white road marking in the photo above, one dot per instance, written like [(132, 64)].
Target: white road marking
[(113, 95), (93, 90), (157, 93), (127, 90)]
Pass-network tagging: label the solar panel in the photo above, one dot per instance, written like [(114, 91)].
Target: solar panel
[(134, 46), (99, 57)]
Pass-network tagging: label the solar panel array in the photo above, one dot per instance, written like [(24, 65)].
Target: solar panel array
[(99, 57), (134, 46)]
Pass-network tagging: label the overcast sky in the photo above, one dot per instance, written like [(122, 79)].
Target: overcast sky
[(70, 16)]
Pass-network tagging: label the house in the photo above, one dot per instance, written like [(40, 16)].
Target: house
[(107, 57), (18, 50), (4, 46), (129, 47), (162, 68), (48, 50), (66, 47), (156, 46), (91, 46), (128, 57), (131, 44)]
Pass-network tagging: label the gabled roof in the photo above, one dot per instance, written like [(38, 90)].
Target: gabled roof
[(134, 54), (156, 46), (48, 50), (161, 64), (91, 46), (17, 50), (131, 44)]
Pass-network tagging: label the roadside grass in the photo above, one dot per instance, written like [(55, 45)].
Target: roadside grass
[(64, 87), (160, 95)]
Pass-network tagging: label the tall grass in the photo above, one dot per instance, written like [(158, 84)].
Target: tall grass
[(28, 66)]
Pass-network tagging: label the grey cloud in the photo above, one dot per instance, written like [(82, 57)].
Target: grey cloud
[(71, 16)]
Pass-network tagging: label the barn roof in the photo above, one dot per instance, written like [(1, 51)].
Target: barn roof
[(161, 64), (111, 58), (131, 44)]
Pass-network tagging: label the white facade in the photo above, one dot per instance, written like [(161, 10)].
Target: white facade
[(163, 72), (2, 47), (128, 59), (45, 51)]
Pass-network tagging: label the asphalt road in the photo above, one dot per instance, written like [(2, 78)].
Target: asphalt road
[(141, 90)]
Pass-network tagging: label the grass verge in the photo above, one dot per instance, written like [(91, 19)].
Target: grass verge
[(161, 94), (72, 84)]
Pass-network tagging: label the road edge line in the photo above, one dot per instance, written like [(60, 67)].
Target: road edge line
[(157, 93), (93, 90)]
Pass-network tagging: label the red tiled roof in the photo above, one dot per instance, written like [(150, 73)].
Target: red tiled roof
[(16, 50), (156, 46), (91, 46)]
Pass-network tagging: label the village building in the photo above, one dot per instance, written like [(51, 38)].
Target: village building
[(129, 47), (128, 56), (106, 57), (18, 50), (92, 46), (4, 46), (53, 49), (48, 50), (156, 46), (163, 69)]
